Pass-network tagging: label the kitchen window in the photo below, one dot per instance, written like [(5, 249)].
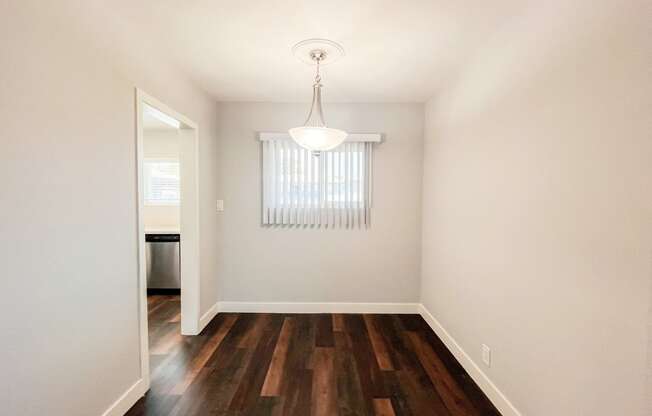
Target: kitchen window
[(161, 177)]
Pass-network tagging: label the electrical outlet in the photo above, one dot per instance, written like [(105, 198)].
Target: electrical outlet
[(220, 205), (486, 355)]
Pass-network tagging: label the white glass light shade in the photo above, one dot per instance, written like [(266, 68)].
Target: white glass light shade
[(317, 138)]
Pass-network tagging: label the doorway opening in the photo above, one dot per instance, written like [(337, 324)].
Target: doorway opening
[(168, 226)]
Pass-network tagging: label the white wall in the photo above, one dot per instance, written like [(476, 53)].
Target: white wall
[(161, 144), (69, 318), (161, 217), (380, 264), (537, 208)]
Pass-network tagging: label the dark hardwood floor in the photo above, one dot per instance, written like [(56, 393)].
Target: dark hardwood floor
[(301, 365)]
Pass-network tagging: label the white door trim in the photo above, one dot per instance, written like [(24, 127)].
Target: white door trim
[(189, 226)]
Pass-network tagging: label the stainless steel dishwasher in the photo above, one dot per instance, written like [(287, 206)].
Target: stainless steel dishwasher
[(162, 254)]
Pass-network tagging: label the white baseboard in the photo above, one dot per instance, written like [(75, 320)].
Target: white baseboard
[(499, 400), (318, 307), (208, 316), (128, 399)]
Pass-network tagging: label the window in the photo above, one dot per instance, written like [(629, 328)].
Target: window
[(330, 189), (161, 181)]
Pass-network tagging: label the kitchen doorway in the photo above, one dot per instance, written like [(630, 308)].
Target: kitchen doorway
[(168, 218)]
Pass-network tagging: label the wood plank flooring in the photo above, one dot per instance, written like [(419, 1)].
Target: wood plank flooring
[(303, 365)]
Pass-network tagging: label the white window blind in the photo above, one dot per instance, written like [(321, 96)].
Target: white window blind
[(332, 189), (161, 177)]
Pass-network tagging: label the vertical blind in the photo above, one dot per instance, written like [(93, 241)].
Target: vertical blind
[(332, 189)]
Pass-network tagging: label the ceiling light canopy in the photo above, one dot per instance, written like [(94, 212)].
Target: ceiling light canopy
[(314, 134)]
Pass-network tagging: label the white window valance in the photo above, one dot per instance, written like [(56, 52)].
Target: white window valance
[(330, 190)]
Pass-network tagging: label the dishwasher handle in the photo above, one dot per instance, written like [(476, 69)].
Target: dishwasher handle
[(162, 238)]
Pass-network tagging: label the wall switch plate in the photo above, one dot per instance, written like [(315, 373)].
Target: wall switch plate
[(486, 355), (220, 205)]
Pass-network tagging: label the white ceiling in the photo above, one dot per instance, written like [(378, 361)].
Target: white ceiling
[(396, 51), (151, 123)]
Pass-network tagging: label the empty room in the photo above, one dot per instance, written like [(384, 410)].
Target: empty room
[(326, 208)]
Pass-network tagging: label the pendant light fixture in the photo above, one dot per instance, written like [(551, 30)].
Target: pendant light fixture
[(314, 134)]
